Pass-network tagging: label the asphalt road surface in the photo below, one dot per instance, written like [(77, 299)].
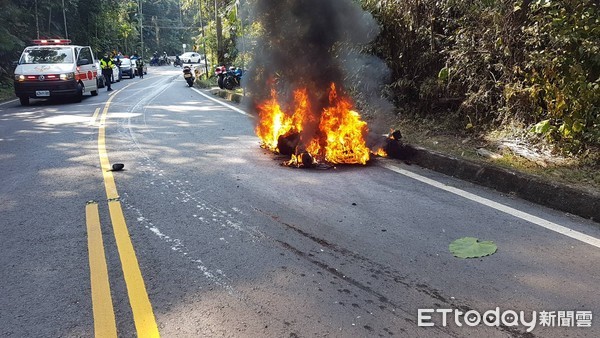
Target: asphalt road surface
[(205, 234)]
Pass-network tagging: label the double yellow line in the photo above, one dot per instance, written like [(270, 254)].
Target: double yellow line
[(104, 317)]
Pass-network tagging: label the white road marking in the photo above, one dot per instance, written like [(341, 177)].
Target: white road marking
[(500, 207), (7, 102), (221, 217), (218, 277), (484, 201), (223, 103)]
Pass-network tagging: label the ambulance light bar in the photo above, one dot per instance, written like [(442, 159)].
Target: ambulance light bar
[(52, 41)]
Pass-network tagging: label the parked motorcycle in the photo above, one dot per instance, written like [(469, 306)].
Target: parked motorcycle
[(220, 72), (233, 78), (188, 75)]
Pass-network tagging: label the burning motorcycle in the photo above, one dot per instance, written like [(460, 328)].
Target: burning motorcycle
[(188, 75)]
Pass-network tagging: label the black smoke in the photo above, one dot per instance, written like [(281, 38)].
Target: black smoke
[(312, 43)]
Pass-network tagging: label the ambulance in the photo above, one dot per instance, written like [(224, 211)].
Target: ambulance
[(55, 69)]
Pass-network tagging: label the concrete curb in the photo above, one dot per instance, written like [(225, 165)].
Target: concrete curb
[(528, 187), (227, 95), (532, 188)]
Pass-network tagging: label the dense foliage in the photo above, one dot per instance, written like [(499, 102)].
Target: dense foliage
[(108, 25), (482, 64), (493, 62)]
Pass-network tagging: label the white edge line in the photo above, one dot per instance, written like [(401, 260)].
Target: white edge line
[(223, 103), (7, 102), (500, 207), (484, 201)]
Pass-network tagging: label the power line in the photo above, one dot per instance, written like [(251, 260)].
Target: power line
[(173, 27)]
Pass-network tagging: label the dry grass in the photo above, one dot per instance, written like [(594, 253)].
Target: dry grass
[(465, 144)]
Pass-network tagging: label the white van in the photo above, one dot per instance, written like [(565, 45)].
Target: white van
[(55, 68)]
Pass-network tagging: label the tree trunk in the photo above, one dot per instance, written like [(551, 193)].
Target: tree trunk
[(219, 26)]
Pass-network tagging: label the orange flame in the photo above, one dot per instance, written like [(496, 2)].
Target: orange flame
[(380, 152), (341, 133)]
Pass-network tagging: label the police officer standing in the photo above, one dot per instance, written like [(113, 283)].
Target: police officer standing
[(140, 67), (106, 63)]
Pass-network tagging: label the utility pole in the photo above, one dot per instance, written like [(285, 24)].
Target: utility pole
[(237, 14), (203, 37), (65, 19), (37, 22), (141, 30), (220, 52), (180, 15)]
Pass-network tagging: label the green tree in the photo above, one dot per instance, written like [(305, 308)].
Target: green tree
[(561, 73)]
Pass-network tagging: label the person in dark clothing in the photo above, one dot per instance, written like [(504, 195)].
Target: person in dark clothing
[(106, 63), (140, 67)]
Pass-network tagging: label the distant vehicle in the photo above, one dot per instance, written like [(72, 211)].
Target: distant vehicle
[(55, 68), (135, 70), (160, 60), (99, 77), (191, 57), (116, 74), (100, 80), (177, 62), (127, 68)]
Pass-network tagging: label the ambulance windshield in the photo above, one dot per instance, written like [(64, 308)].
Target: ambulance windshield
[(47, 54)]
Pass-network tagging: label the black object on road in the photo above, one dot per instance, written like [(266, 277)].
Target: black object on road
[(118, 166)]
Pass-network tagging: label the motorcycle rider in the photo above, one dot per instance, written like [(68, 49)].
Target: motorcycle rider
[(154, 61), (107, 64)]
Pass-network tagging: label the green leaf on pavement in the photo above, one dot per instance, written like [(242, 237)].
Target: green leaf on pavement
[(471, 247)]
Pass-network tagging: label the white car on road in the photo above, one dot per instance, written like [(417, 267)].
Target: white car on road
[(191, 57)]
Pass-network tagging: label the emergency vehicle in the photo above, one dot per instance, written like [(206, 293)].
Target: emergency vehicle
[(55, 68)]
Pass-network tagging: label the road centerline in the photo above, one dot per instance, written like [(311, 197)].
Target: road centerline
[(143, 315), (94, 117), (102, 305)]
